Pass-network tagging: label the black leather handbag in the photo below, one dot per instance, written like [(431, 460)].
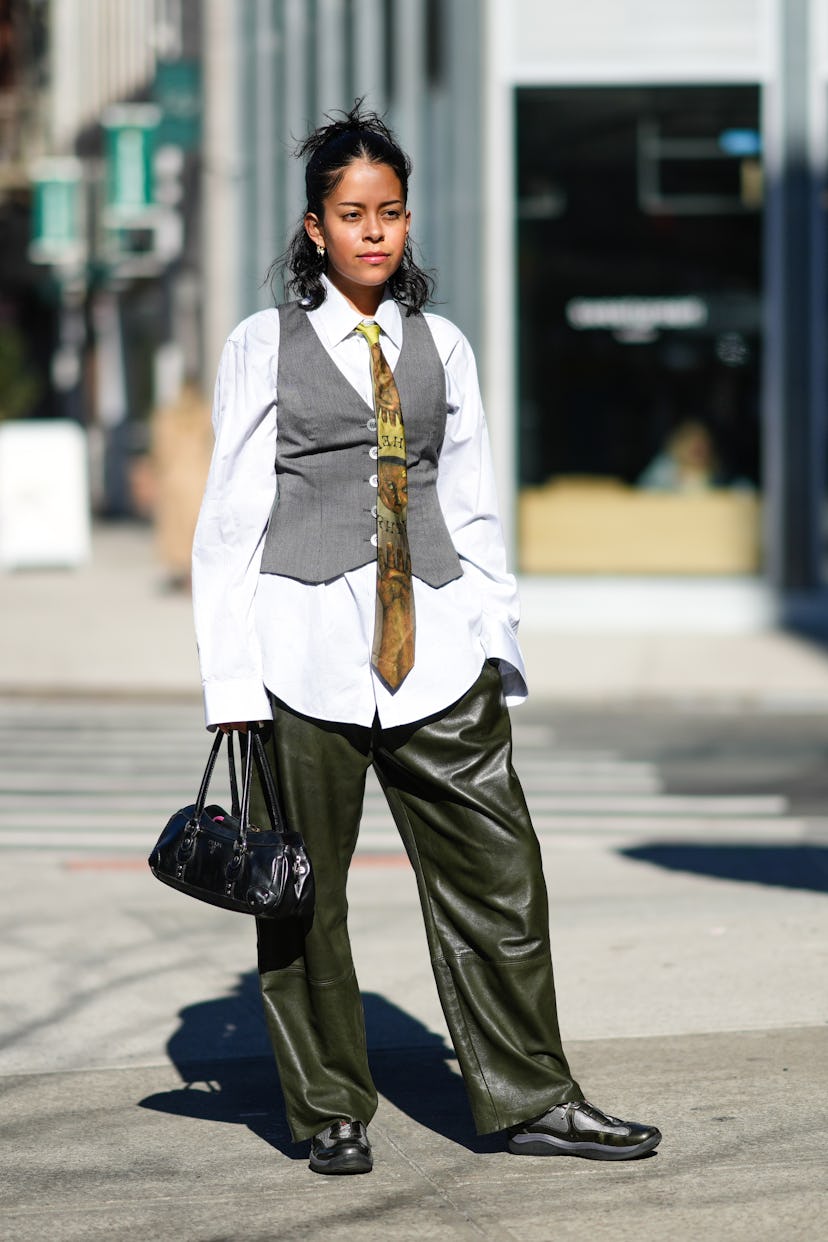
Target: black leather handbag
[(225, 860)]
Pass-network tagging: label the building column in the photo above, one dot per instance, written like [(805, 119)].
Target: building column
[(499, 262), (223, 180), (408, 99), (368, 41), (794, 346)]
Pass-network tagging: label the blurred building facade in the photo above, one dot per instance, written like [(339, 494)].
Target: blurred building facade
[(98, 234), (626, 208)]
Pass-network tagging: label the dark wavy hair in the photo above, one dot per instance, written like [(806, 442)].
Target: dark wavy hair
[(354, 135)]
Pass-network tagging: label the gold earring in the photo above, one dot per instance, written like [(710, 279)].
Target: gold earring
[(320, 250)]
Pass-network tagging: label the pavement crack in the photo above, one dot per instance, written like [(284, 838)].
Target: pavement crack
[(502, 1230)]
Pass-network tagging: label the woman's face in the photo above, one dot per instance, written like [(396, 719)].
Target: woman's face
[(363, 229)]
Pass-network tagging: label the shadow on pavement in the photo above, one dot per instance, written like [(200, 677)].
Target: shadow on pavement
[(783, 866), (234, 1080)]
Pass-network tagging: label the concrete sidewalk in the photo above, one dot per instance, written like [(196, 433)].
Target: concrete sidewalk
[(112, 627), (140, 1099)]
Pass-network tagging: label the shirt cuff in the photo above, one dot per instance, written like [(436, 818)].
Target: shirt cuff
[(501, 644), (240, 699)]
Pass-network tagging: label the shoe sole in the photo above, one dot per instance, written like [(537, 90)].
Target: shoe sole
[(350, 1163), (549, 1145)]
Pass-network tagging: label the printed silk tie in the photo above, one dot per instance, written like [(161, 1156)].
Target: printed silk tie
[(392, 652)]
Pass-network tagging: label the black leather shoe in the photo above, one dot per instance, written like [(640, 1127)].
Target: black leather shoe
[(342, 1147), (581, 1129)]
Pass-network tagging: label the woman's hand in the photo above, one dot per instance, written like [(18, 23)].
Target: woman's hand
[(234, 726)]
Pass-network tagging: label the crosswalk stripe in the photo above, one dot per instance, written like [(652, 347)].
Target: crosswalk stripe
[(105, 777), (661, 804), (154, 820), (543, 761), (37, 805), (385, 838), (177, 782), (44, 839), (111, 745), (55, 784)]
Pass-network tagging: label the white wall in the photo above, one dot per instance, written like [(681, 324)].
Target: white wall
[(630, 39)]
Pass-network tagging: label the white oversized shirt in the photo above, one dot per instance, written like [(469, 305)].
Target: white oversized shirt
[(310, 644)]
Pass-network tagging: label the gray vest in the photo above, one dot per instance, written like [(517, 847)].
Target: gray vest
[(323, 516)]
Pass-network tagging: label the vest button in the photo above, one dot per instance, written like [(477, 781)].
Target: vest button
[(371, 424), (373, 511), (374, 480), (373, 452), (374, 539)]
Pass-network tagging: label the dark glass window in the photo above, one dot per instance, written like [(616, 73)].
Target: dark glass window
[(639, 242)]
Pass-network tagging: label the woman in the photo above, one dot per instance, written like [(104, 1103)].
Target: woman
[(350, 582)]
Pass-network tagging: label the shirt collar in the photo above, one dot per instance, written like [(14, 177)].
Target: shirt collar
[(338, 319)]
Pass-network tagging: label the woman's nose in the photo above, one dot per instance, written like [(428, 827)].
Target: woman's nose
[(373, 229)]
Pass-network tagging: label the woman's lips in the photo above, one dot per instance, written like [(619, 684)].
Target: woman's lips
[(373, 258)]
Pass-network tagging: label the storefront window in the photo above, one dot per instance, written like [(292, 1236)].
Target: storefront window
[(639, 236)]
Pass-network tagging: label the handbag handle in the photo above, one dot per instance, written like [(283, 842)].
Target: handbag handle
[(235, 806), (252, 748), (241, 807), (201, 796)]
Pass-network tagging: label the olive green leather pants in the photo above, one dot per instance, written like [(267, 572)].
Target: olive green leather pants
[(463, 820)]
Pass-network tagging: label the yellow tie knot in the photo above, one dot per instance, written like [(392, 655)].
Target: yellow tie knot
[(371, 332)]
